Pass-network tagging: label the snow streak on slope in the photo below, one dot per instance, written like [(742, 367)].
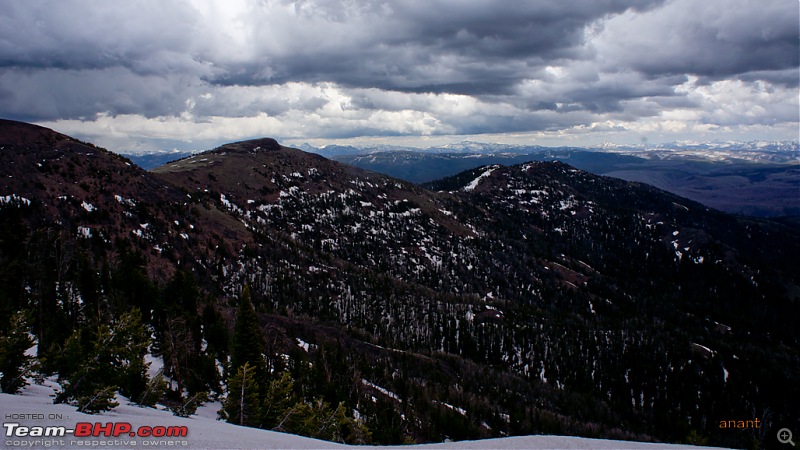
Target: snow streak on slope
[(474, 183)]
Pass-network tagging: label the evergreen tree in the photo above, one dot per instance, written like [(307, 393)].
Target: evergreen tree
[(248, 342), (89, 286), (242, 406), (156, 388), (130, 285), (94, 366), (215, 332), (317, 419), (85, 377), (177, 349), (98, 400), (281, 410), (278, 399), (188, 406), (130, 341), (14, 363)]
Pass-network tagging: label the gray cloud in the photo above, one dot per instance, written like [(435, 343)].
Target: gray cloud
[(145, 37), (335, 68), (54, 93), (470, 48), (711, 39)]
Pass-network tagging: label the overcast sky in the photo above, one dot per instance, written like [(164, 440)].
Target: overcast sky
[(145, 75)]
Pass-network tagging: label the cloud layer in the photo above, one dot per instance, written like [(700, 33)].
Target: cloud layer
[(143, 75)]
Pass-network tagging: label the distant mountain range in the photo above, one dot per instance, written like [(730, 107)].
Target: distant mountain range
[(756, 151), (758, 178), (790, 149), (504, 300), (754, 183)]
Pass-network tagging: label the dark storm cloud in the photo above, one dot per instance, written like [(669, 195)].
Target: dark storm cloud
[(146, 37), (78, 59), (339, 68), (709, 39), (788, 77), (57, 93), (472, 48)]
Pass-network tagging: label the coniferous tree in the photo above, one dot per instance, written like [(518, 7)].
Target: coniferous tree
[(188, 406), (97, 400), (215, 332), (130, 342), (278, 399), (243, 405), (177, 349), (155, 390), (14, 363), (84, 377), (248, 343), (95, 365), (319, 420)]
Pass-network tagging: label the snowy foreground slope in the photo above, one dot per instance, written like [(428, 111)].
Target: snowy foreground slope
[(34, 408)]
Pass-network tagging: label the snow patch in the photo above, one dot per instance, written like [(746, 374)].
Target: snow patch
[(14, 199), (474, 183), (383, 391), (84, 232), (303, 344), (124, 201), (461, 411), (703, 349), (155, 365), (230, 205)]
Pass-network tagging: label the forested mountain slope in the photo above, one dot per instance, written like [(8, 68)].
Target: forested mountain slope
[(515, 300)]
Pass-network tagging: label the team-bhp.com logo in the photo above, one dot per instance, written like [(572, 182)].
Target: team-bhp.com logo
[(86, 429)]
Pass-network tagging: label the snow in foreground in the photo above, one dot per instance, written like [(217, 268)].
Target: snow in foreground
[(34, 408)]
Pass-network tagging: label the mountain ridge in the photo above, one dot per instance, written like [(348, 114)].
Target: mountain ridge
[(758, 178), (519, 295)]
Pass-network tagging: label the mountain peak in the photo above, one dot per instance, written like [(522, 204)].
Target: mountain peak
[(25, 134), (250, 146)]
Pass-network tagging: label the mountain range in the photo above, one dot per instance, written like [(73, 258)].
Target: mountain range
[(502, 300), (758, 178)]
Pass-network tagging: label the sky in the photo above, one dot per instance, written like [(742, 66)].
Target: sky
[(136, 76)]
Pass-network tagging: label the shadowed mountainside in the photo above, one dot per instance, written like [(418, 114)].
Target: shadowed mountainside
[(535, 298)]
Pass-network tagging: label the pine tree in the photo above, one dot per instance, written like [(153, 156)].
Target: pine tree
[(88, 384), (130, 342), (14, 363), (155, 390), (242, 406), (177, 350), (319, 420), (98, 400), (95, 365), (248, 342), (349, 430), (188, 406), (278, 400)]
